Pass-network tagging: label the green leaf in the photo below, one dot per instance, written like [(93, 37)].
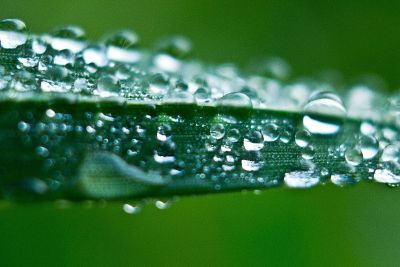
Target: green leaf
[(114, 121)]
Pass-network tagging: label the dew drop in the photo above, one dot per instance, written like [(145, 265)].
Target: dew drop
[(162, 205), (235, 99), (308, 152), (163, 132), (369, 146), (131, 209), (95, 55), (302, 138), (217, 131), (121, 46), (301, 179), (252, 161), (270, 132), (12, 33), (386, 176), (391, 153), (353, 156), (233, 135), (68, 37), (320, 104), (159, 84), (176, 46), (253, 141), (108, 86)]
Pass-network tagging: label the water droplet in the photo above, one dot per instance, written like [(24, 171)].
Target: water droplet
[(270, 132), (386, 176), (235, 99), (167, 63), (68, 37), (39, 46), (353, 156), (64, 57), (131, 209), (165, 152), (23, 126), (308, 152), (301, 179), (391, 153), (233, 135), (42, 151), (344, 175), (176, 46), (159, 84), (202, 95), (253, 141), (12, 33), (302, 138), (163, 132), (108, 86), (121, 46), (122, 39), (162, 205), (369, 146), (321, 104), (252, 161), (95, 55), (217, 131)]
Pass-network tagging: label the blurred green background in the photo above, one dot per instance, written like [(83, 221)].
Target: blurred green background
[(323, 226)]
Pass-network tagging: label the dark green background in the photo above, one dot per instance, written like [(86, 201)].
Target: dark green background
[(322, 226)]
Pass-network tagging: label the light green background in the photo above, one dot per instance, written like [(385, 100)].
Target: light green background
[(323, 226)]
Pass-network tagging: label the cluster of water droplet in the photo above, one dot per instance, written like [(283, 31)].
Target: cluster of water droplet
[(212, 148)]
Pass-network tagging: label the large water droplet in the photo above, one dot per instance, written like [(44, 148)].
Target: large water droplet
[(95, 55), (353, 156), (253, 141), (68, 37), (302, 138), (386, 176), (301, 179), (235, 99), (270, 132), (319, 105), (252, 161), (107, 86), (176, 46), (121, 46), (217, 131), (12, 33), (369, 146), (158, 84)]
